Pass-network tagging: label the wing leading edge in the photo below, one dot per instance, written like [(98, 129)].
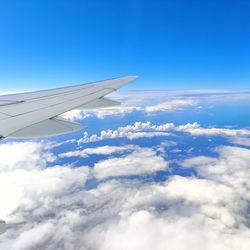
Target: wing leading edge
[(35, 114)]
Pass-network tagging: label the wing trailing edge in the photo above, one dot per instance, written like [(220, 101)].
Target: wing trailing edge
[(50, 127), (100, 103), (35, 114)]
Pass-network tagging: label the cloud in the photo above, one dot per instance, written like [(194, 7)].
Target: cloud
[(198, 161), (118, 110), (137, 135), (102, 150), (231, 170), (100, 113), (24, 155), (168, 106), (185, 212), (75, 115), (51, 208), (244, 141), (172, 105), (135, 131), (157, 233), (196, 129), (25, 180), (147, 129), (141, 161), (137, 160)]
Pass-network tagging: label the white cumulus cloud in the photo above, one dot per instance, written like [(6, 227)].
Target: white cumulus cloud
[(135, 131), (147, 129)]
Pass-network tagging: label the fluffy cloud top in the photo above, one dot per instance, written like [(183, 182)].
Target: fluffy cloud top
[(136, 131), (75, 115), (26, 155), (147, 129)]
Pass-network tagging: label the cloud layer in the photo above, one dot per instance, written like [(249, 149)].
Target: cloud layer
[(52, 208)]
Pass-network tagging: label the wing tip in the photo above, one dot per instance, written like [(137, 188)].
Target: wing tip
[(122, 81), (132, 78)]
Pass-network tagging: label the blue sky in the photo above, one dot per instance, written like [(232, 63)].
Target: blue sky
[(171, 44)]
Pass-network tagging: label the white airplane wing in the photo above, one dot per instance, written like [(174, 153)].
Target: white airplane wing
[(35, 114)]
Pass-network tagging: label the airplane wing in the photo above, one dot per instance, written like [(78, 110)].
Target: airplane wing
[(35, 114)]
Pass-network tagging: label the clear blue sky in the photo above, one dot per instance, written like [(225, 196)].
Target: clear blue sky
[(171, 44)]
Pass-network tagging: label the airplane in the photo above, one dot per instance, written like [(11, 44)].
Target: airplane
[(36, 114), (3, 227)]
